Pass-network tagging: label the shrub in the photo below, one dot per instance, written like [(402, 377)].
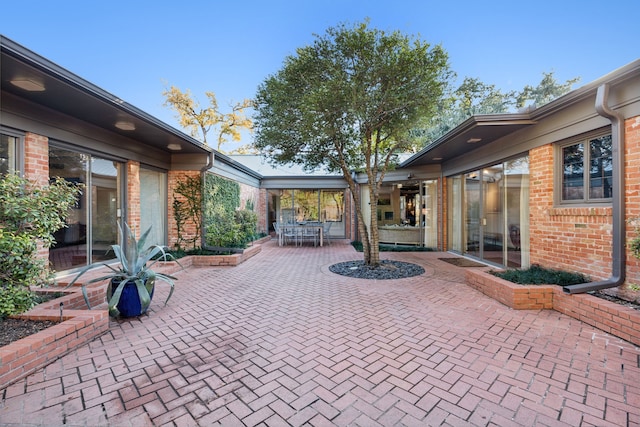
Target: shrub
[(28, 214), (537, 275)]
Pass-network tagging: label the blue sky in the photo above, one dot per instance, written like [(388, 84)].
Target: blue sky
[(134, 49)]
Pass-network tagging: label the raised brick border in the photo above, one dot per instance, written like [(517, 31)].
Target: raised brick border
[(612, 318), (80, 326), (23, 357)]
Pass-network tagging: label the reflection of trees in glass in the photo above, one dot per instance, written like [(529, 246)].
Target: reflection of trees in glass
[(306, 205), (332, 205), (601, 167), (519, 165), (573, 172), (599, 158)]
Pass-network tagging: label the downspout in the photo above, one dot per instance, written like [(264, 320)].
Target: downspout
[(618, 251), (203, 173)]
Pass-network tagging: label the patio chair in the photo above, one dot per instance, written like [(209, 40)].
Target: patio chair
[(290, 233), (278, 230), (326, 227), (310, 233)]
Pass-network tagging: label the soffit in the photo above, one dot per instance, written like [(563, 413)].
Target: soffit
[(469, 136), (75, 97)]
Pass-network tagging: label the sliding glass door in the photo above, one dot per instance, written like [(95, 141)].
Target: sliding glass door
[(489, 211), (91, 228)]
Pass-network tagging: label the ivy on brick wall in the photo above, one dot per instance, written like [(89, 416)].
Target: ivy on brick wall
[(188, 210), (225, 225)]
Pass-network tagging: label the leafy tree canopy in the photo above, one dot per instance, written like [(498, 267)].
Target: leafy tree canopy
[(200, 120), (348, 102), (474, 97)]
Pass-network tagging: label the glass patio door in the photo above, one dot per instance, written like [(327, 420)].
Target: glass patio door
[(91, 227), (473, 214), (492, 221), (489, 213)]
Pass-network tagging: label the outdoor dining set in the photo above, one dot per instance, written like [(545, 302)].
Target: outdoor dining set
[(300, 232)]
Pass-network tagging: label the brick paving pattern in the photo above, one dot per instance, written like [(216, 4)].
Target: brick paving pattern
[(281, 341)]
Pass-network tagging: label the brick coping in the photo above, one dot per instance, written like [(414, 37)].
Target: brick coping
[(612, 318)]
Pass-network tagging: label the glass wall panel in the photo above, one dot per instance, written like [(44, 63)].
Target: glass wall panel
[(92, 224), (104, 208), (516, 176), (306, 205), (332, 211), (287, 212), (488, 213), (472, 213), (455, 218), (291, 206), (7, 153), (429, 213), (153, 205), (71, 249), (493, 216)]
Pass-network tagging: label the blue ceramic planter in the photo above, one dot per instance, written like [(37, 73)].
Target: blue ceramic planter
[(129, 304)]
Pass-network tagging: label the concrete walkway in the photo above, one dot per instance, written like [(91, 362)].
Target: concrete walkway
[(280, 340)]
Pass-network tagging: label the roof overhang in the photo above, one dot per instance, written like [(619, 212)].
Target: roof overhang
[(470, 135), (38, 80)]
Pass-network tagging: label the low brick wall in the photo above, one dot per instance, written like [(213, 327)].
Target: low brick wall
[(615, 319), (78, 327)]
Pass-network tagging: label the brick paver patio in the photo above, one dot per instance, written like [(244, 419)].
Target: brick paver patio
[(280, 340)]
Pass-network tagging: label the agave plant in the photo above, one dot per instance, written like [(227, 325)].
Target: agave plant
[(136, 261)]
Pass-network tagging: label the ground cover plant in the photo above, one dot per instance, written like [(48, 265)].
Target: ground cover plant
[(538, 275)]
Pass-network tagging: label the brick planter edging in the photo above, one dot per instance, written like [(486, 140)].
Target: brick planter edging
[(615, 319), (79, 326), (230, 260), (23, 357)]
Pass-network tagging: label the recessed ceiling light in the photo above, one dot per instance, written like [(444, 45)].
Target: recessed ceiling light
[(437, 158), (125, 125), (174, 147), (31, 85), (474, 140)]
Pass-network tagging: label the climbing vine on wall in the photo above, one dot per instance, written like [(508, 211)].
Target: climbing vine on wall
[(188, 209), (225, 225)]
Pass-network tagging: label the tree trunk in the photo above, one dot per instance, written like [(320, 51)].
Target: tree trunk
[(374, 254)]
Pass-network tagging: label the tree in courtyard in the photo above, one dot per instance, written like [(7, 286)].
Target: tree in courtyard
[(200, 120), (347, 102)]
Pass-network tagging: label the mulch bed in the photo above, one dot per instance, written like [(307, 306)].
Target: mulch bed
[(387, 270), (462, 262), (14, 329)]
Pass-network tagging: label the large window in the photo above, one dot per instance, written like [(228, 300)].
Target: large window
[(153, 205), (587, 171), (326, 205)]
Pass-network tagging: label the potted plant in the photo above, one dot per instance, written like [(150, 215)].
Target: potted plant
[(131, 284)]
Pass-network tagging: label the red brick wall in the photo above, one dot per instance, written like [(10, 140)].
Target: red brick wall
[(36, 168), (190, 228), (632, 194), (261, 209), (580, 238), (133, 196), (36, 158)]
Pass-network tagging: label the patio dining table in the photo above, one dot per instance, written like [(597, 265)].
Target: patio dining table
[(298, 232)]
